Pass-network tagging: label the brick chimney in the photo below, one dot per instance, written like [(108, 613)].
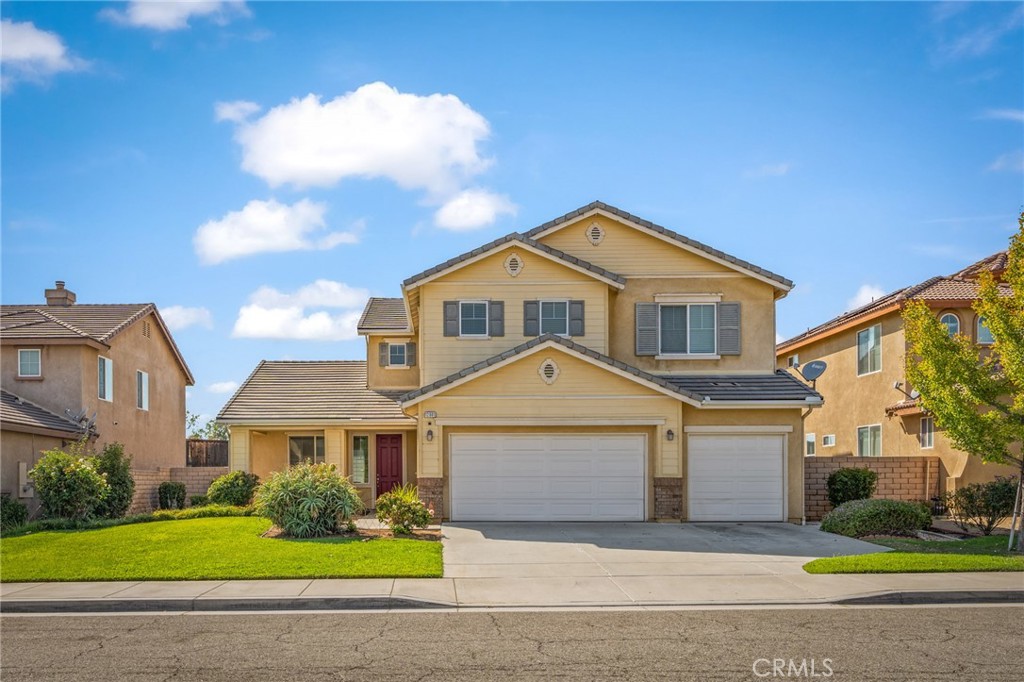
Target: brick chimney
[(60, 296)]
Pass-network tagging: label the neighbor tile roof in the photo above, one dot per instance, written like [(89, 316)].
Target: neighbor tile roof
[(17, 412), (523, 239), (383, 314), (329, 390), (996, 264), (673, 384), (573, 215), (779, 386)]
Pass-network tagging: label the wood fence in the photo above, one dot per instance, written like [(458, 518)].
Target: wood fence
[(206, 453)]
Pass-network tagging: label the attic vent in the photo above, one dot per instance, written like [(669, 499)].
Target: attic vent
[(146, 331), (595, 234), (514, 264), (548, 371)]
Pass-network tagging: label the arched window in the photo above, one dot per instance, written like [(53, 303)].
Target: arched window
[(952, 323), (984, 333)]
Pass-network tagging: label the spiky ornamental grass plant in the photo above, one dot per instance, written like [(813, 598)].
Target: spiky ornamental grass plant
[(308, 500)]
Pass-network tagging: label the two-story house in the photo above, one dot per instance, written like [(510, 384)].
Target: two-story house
[(116, 366), (596, 367), (870, 409)]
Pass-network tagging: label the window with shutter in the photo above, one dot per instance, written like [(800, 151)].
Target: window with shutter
[(646, 329), (496, 318), (451, 318), (729, 339), (531, 318), (472, 318), (576, 318)]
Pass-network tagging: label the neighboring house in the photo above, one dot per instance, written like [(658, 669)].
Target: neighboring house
[(870, 410), (597, 367), (115, 362)]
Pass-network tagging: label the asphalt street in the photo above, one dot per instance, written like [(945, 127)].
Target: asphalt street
[(900, 643)]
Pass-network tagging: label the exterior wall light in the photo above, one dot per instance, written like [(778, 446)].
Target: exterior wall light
[(430, 435), (670, 435)]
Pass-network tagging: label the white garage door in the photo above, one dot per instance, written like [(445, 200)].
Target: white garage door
[(736, 478), (547, 477)]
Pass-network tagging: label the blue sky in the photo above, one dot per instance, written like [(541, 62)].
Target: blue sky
[(258, 169)]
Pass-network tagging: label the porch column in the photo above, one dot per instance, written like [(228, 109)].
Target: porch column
[(335, 450), (238, 449)]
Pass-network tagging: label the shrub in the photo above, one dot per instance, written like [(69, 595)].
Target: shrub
[(402, 510), (117, 466), (982, 505), (859, 518), (69, 486), (172, 495), (236, 489), (12, 513), (198, 501), (308, 500), (849, 484), (209, 511)]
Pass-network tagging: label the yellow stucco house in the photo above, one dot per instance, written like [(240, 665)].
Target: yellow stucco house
[(596, 367), (870, 409)]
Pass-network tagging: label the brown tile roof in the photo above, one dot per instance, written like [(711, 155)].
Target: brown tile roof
[(904, 407), (17, 414), (309, 390), (383, 314), (81, 322), (721, 255), (996, 264)]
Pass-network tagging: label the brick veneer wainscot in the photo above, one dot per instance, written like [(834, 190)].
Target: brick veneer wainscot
[(431, 491), (668, 498)]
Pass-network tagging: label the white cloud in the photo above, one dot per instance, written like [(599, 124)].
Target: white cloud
[(779, 338), (471, 209), (268, 226), (983, 39), (31, 54), (165, 15), (1012, 162), (272, 314), (236, 111), (866, 294), (419, 142), (181, 317), (1016, 115), (222, 387), (769, 170)]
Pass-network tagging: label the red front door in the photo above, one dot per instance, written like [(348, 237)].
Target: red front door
[(389, 462)]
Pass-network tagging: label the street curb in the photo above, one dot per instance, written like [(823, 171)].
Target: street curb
[(910, 598)]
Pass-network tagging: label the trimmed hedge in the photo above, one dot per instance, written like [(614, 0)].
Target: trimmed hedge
[(116, 466), (860, 518), (847, 484), (236, 488), (171, 495), (209, 511)]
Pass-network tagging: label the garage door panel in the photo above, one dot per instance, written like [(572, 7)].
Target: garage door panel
[(736, 478)]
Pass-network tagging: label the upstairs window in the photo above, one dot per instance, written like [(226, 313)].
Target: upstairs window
[(952, 323), (793, 360), (828, 441), (985, 337), (688, 329), (305, 449), (142, 390), (396, 354), (472, 318), (869, 350), (105, 379), (554, 317), (30, 362), (927, 433)]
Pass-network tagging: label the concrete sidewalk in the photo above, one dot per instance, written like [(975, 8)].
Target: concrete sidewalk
[(472, 593)]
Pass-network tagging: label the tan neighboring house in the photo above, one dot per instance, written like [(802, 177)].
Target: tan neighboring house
[(115, 362), (596, 367), (870, 409)]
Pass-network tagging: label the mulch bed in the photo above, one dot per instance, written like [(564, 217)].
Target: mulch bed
[(433, 535)]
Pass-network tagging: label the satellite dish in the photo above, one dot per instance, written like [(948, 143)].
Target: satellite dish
[(814, 369), (76, 417), (915, 394)]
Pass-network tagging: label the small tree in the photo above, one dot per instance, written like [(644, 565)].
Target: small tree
[(68, 484), (211, 430), (117, 467)]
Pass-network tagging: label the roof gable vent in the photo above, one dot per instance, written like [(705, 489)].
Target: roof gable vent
[(514, 264), (548, 371), (595, 234)]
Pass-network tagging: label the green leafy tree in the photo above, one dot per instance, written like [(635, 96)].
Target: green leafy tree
[(211, 430)]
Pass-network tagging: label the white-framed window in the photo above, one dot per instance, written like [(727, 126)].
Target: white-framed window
[(105, 379), (810, 440), (984, 337), (952, 323), (142, 390), (869, 440), (360, 468), (688, 329), (305, 449), (397, 355), (554, 317), (793, 360), (927, 433), (30, 362), (869, 350), (472, 318), (828, 440)]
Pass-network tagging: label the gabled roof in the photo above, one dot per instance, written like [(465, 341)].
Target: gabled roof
[(996, 264), (554, 254), (97, 323), (18, 414), (781, 386), (683, 241), (304, 391), (957, 288), (384, 314)]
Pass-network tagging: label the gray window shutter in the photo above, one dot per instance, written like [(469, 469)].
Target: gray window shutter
[(382, 354), (646, 329), (451, 318), (728, 328), (531, 318), (410, 354), (576, 326), (496, 318)]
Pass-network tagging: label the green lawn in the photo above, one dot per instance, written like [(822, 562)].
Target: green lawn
[(215, 548), (911, 555)]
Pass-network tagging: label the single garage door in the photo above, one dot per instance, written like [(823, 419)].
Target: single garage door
[(736, 477), (547, 477)]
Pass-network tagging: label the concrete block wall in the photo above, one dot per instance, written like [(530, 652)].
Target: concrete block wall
[(147, 484), (197, 480), (911, 479)]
